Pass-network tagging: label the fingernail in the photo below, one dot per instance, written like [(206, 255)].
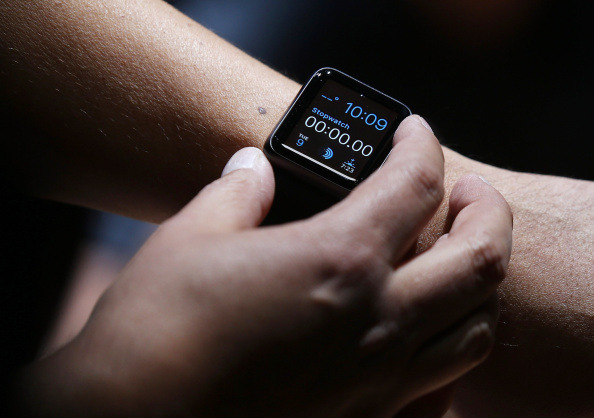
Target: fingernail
[(480, 342), (249, 157), (442, 238), (425, 124), (485, 180)]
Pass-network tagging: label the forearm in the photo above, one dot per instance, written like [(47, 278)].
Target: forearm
[(134, 106)]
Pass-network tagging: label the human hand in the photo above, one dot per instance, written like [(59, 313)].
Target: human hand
[(327, 316)]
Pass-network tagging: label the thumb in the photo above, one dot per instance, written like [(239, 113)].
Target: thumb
[(240, 199)]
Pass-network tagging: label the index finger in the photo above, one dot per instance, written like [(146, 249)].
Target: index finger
[(391, 207)]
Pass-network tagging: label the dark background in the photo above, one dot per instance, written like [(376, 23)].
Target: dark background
[(506, 82)]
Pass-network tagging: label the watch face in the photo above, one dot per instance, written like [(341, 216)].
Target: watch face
[(338, 128)]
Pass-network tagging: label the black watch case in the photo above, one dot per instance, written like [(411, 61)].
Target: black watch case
[(337, 132)]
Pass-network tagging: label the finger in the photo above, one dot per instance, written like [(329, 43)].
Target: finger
[(456, 351), (463, 268), (240, 199), (391, 207), (433, 405)]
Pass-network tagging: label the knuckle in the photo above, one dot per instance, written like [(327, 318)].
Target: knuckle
[(237, 182), (489, 258), (354, 262), (479, 342), (230, 190), (426, 182)]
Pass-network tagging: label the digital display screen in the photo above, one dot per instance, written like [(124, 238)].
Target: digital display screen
[(336, 132), (341, 130)]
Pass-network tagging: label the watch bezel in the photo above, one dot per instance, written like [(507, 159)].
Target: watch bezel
[(317, 174)]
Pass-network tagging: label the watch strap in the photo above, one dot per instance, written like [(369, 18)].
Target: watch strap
[(295, 199)]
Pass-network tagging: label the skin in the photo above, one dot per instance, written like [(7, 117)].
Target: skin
[(545, 339), (138, 116), (346, 323)]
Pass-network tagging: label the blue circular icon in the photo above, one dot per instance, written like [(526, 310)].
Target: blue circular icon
[(328, 153)]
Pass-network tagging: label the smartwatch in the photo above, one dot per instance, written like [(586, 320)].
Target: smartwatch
[(334, 135)]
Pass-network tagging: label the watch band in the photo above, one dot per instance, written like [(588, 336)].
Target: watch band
[(295, 199)]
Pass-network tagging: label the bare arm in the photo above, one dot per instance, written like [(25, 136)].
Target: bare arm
[(130, 107), (133, 108)]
